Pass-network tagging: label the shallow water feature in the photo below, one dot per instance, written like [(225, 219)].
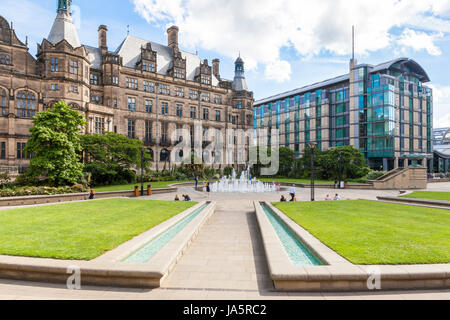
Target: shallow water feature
[(147, 251), (299, 254)]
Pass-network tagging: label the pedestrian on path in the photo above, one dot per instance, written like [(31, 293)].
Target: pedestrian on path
[(292, 192), (208, 189), (196, 182)]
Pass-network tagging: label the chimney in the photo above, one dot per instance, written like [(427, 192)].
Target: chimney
[(172, 38), (216, 68), (102, 38)]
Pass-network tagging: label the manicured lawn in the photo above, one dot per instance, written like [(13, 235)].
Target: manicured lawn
[(304, 181), (429, 195), (123, 187), (82, 230), (368, 232)]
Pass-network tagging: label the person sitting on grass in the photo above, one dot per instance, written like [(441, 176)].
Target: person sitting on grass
[(337, 197), (328, 198), (177, 198), (187, 198), (283, 199), (92, 195)]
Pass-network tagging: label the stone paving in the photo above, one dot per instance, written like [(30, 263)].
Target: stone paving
[(226, 260)]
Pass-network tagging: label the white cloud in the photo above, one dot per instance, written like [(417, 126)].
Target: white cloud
[(420, 41), (279, 71), (441, 102), (261, 28)]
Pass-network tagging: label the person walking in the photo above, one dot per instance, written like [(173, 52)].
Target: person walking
[(292, 192), (196, 182), (208, 189)]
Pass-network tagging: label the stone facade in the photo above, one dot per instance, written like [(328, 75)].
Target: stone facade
[(143, 90)]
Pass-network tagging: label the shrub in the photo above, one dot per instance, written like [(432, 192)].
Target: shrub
[(37, 191), (374, 175), (228, 171), (5, 181)]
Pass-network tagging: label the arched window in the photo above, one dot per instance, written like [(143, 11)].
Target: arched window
[(165, 155), (150, 152), (26, 104), (3, 101)]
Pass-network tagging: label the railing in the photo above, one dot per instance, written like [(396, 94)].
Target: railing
[(165, 143), (149, 142)]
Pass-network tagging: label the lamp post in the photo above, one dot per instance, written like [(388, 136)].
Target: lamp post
[(339, 167), (157, 126), (142, 172), (312, 146)]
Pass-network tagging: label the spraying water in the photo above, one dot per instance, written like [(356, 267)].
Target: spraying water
[(242, 185)]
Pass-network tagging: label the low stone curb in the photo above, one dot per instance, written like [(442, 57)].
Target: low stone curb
[(426, 202), (108, 269), (338, 274)]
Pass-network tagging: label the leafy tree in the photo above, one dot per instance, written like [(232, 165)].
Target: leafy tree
[(287, 158), (111, 157), (55, 145), (353, 165)]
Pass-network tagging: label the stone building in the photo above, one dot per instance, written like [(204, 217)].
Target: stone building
[(143, 90), (386, 111)]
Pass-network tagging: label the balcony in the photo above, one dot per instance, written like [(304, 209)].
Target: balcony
[(149, 142), (165, 142)]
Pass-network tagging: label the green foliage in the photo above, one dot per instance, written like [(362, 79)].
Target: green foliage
[(228, 171), (374, 175), (5, 181), (55, 145), (109, 158), (38, 191), (287, 160), (353, 165)]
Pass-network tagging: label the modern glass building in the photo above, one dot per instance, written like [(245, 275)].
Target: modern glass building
[(385, 111)]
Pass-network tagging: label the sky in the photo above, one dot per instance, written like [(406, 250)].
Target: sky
[(286, 44)]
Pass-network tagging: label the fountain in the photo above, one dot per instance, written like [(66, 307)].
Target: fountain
[(242, 185)]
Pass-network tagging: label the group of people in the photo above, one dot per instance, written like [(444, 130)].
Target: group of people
[(186, 197), (291, 193), (336, 198)]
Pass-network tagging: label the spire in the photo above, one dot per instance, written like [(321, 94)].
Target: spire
[(239, 83), (63, 27)]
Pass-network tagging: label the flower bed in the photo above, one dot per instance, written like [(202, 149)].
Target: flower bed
[(37, 191)]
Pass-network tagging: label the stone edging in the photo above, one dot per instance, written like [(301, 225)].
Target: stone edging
[(427, 202), (339, 274), (108, 269)]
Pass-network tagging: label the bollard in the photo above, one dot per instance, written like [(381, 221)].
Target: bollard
[(136, 191), (149, 190)]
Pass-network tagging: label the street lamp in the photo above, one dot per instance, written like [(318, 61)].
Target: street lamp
[(339, 167), (142, 172), (312, 146), (157, 126)]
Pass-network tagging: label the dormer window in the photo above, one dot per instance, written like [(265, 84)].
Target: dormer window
[(148, 66), (206, 79), (178, 73)]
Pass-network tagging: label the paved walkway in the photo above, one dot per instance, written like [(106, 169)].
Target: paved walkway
[(226, 261)]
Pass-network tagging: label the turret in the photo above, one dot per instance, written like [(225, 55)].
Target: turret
[(239, 83)]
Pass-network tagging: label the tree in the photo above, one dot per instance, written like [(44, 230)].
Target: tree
[(55, 145), (352, 164), (287, 158), (110, 158)]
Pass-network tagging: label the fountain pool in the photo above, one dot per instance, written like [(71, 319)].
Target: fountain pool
[(242, 185)]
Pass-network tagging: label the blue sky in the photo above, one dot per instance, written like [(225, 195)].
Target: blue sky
[(286, 43)]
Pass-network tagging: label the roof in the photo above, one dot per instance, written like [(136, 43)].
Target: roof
[(305, 89), (95, 57), (413, 65), (64, 29), (130, 51)]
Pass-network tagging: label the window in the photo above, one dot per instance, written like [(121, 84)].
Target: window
[(73, 67), (54, 64), (164, 89), (5, 59), (205, 114), (177, 73), (179, 92), (132, 104), (115, 104), (148, 66), (340, 121), (218, 99), (3, 150), (99, 125), (149, 86), (193, 112), (205, 79), (96, 99), (3, 101), (217, 115), (179, 110), (131, 129), (94, 79), (115, 80), (164, 108), (193, 94), (132, 83), (26, 104), (340, 108), (164, 130), (21, 150), (148, 106), (148, 130), (73, 89), (205, 97), (54, 87), (239, 104)]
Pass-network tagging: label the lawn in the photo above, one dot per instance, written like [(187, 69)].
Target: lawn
[(429, 195), (368, 232), (304, 181), (123, 187), (81, 230)]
